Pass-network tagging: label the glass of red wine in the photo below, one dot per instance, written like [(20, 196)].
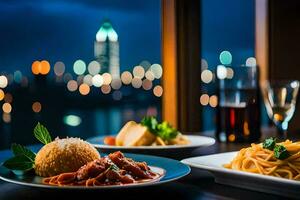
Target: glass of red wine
[(238, 113)]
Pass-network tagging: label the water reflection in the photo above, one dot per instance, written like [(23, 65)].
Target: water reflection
[(101, 121)]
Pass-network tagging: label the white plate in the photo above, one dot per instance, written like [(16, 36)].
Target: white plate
[(263, 183), (196, 141)]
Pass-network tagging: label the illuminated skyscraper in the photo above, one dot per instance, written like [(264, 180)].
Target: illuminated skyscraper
[(106, 50)]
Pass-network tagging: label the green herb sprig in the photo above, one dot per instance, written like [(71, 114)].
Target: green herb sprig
[(163, 130), (24, 158), (42, 134), (269, 143), (280, 152)]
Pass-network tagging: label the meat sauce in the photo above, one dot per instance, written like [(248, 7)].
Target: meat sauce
[(115, 169)]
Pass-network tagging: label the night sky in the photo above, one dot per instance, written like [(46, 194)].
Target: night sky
[(227, 25), (64, 30)]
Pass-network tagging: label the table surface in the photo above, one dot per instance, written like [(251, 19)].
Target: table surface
[(197, 185)]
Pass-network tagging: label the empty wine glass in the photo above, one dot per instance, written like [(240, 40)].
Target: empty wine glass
[(280, 100)]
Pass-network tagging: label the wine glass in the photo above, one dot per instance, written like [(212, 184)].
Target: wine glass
[(280, 101)]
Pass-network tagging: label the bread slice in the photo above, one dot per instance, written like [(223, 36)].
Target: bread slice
[(134, 134)]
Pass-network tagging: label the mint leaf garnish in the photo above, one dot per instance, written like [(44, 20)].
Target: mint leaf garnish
[(19, 162), (41, 133), (18, 149)]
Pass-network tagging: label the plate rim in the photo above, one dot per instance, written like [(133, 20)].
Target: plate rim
[(213, 169), (150, 183), (211, 141)]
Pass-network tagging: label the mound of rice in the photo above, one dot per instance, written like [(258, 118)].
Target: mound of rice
[(64, 155)]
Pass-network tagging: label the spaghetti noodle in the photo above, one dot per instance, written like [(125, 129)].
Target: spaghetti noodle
[(260, 160)]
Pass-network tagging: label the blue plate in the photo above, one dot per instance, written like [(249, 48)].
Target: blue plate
[(169, 169)]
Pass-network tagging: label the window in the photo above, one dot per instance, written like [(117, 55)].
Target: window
[(228, 27), (82, 68)]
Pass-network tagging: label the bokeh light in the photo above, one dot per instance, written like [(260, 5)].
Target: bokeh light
[(59, 68), (79, 67), (117, 95), (149, 75), (105, 89), (1, 95), (152, 111), (229, 73), (147, 84), (72, 85), (136, 82), (225, 57), (80, 79), (157, 71), (145, 64), (213, 101), (6, 117), (8, 98), (72, 120), (18, 76), (84, 89), (251, 62), (221, 72), (106, 78), (97, 80), (67, 77), (35, 67), (231, 138), (36, 107), (6, 107), (206, 76), (88, 79), (158, 91), (204, 99), (116, 84), (44, 67), (204, 64), (138, 71), (94, 67), (3, 81), (126, 77)]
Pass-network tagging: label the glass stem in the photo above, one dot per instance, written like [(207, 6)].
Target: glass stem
[(282, 130)]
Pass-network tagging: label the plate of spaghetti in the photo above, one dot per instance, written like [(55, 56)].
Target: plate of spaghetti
[(271, 166)]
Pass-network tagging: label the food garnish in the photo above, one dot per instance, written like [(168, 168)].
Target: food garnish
[(163, 130), (55, 157), (280, 152), (269, 143), (24, 158), (42, 134), (149, 132)]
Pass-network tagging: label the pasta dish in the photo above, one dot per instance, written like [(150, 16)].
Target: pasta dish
[(269, 158)]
